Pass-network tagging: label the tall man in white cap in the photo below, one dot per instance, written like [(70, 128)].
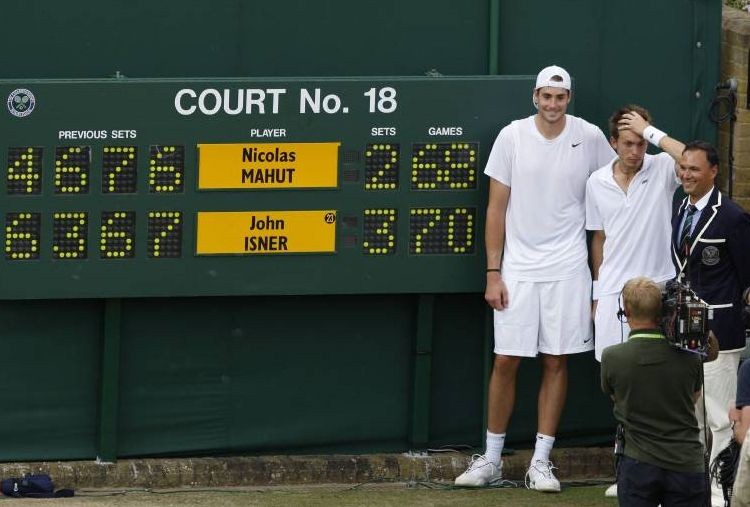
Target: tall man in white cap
[(538, 280)]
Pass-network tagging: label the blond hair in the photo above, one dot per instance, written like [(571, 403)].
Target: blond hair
[(641, 298)]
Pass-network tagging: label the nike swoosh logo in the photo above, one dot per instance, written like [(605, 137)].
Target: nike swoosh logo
[(576, 144), (586, 341)]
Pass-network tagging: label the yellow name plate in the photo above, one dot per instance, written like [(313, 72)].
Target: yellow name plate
[(268, 165), (266, 232)]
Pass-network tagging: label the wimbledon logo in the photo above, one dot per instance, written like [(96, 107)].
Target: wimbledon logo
[(21, 102)]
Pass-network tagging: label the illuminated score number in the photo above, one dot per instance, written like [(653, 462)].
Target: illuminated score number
[(117, 234), (441, 230), (379, 236), (166, 169), (383, 100), (22, 235), (25, 170), (444, 166), (165, 234), (381, 166), (72, 169), (119, 169), (69, 235)]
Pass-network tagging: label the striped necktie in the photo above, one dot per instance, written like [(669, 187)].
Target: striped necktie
[(687, 226)]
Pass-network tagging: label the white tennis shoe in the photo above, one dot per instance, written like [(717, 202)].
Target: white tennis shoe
[(481, 472), (540, 477), (611, 491)]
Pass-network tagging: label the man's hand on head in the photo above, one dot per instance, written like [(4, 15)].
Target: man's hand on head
[(633, 121)]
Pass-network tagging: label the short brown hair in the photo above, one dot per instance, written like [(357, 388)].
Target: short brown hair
[(614, 120), (711, 154), (641, 298)]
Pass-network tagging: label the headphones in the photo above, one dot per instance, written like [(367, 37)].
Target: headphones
[(622, 315)]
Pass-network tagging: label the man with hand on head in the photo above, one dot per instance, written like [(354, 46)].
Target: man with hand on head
[(654, 387), (538, 281), (629, 207)]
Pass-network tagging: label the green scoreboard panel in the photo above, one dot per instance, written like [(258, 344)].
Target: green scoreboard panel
[(137, 188)]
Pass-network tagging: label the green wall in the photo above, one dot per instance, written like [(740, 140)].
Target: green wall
[(251, 374)]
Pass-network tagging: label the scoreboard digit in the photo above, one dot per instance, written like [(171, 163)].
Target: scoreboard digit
[(164, 234), (25, 170), (117, 234), (22, 233), (381, 166), (70, 235), (379, 231), (72, 169), (119, 169), (166, 169)]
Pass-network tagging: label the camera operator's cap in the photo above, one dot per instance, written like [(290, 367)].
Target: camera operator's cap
[(544, 78)]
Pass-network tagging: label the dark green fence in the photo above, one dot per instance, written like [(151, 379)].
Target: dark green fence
[(324, 369)]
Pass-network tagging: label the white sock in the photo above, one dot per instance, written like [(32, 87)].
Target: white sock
[(495, 443), (542, 448)]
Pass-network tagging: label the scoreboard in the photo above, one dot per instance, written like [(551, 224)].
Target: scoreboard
[(142, 188)]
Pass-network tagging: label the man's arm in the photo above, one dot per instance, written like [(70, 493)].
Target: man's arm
[(597, 252), (740, 421), (597, 256), (740, 417), (496, 293), (635, 122)]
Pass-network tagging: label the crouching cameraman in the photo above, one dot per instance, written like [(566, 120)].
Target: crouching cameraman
[(654, 386)]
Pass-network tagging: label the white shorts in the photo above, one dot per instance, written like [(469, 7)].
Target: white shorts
[(608, 330), (546, 317)]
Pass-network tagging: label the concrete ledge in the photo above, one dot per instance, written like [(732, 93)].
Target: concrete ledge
[(573, 464)]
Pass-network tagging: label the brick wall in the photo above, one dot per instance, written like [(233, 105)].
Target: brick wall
[(735, 51)]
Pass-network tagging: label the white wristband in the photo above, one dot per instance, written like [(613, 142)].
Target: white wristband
[(653, 135), (595, 290)]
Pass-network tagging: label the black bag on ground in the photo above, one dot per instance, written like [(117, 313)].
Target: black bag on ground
[(33, 486)]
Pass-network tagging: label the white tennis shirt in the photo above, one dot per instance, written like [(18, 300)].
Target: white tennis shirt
[(637, 224), (545, 238)]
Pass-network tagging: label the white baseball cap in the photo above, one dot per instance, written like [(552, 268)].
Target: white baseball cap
[(544, 78)]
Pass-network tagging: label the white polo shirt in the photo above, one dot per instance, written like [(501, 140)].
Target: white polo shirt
[(544, 225), (637, 224)]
